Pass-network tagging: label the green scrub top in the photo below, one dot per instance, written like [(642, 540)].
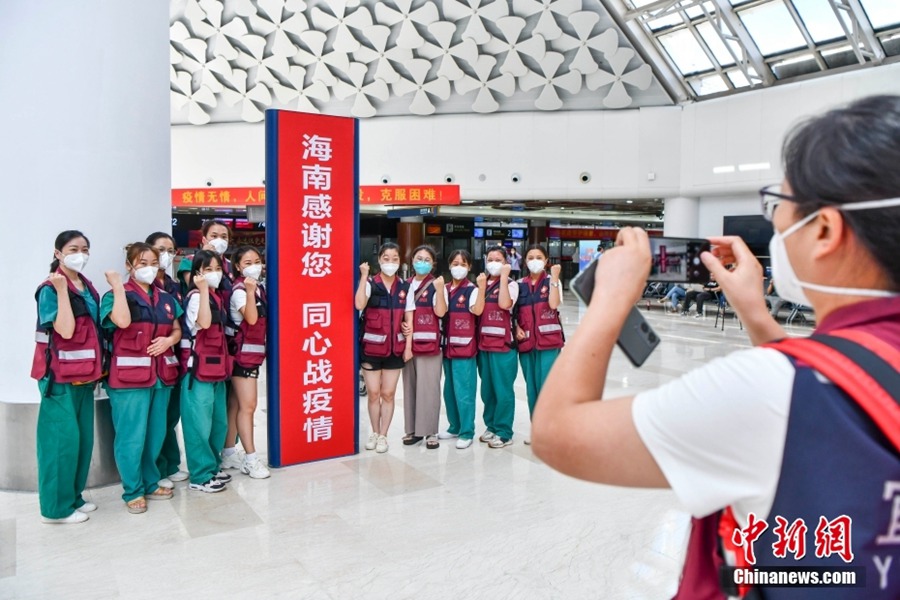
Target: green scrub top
[(106, 307)]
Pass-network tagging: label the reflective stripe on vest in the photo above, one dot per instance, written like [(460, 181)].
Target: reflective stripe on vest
[(375, 338), (494, 330), (461, 341), (256, 348), (548, 328), (171, 359), (41, 337), (425, 335), (77, 354), (186, 343), (133, 361)]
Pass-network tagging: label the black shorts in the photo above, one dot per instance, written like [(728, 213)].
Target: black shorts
[(379, 363), (249, 372)]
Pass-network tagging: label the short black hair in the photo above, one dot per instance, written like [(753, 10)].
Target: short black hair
[(851, 154)]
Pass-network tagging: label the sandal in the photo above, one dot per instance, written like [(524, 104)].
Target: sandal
[(432, 442), (409, 439), (137, 506), (160, 493)]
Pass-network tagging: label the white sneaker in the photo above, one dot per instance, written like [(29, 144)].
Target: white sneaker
[(76, 517), (233, 461), (210, 487), (487, 436), (87, 507), (372, 441), (462, 444), (179, 476), (446, 435), (255, 469), (222, 476), (165, 482), (382, 446), (499, 442)]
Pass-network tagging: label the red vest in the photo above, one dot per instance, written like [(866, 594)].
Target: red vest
[(78, 359), (426, 337), (460, 323), (151, 317), (205, 356), (541, 324), (382, 318), (494, 324), (249, 341)]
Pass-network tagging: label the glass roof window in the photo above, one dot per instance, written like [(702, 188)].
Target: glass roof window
[(819, 19), (686, 52), (882, 13), (716, 45), (772, 28), (712, 84)]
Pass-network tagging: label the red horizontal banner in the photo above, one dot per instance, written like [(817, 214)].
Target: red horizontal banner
[(210, 196), (409, 194)]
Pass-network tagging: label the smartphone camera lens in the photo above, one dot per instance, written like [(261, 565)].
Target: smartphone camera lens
[(652, 338), (644, 327)]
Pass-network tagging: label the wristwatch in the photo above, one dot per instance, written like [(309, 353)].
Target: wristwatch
[(554, 284)]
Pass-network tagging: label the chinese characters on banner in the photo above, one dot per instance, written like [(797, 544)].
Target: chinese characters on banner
[(312, 211), (410, 194), (210, 197)]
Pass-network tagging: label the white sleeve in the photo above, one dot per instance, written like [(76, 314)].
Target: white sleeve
[(238, 301), (191, 313), (717, 433), (446, 296), (368, 290), (513, 292), (473, 298), (411, 296)]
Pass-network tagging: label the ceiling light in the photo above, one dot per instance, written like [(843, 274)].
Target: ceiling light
[(723, 169), (755, 167)]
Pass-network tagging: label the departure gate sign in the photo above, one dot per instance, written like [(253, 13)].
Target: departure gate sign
[(312, 213)]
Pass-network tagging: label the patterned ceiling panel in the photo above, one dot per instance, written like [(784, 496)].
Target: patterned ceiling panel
[(232, 59)]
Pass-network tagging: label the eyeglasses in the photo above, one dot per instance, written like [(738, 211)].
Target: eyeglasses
[(770, 197)]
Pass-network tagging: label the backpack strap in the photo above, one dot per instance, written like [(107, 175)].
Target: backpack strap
[(862, 365)]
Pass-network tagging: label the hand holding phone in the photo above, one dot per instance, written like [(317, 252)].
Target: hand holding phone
[(637, 339)]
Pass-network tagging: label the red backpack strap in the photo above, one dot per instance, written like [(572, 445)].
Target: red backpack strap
[(865, 367)]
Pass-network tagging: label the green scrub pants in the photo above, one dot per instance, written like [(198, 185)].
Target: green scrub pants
[(204, 423), (139, 418), (460, 383), (169, 460), (498, 374), (65, 440), (536, 366)]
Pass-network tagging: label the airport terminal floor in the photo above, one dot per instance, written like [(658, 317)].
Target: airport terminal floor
[(474, 523)]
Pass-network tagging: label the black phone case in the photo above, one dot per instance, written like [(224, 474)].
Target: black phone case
[(637, 339)]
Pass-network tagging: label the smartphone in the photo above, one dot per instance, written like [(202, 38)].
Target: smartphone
[(637, 339), (677, 260)]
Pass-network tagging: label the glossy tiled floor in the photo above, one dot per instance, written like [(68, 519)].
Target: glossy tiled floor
[(475, 523)]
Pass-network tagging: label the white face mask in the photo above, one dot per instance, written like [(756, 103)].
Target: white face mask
[(536, 266), (459, 273), (213, 278), (219, 245), (145, 275), (165, 260), (493, 267), (789, 286), (76, 262), (389, 269), (253, 271)]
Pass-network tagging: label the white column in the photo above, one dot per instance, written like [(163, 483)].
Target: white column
[(682, 218), (85, 121)]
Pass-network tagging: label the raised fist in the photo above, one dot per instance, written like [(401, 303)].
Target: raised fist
[(113, 278), (200, 282), (481, 280), (250, 284), (505, 270), (439, 282), (555, 270), (364, 269), (58, 281)]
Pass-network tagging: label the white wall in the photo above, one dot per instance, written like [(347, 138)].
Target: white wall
[(86, 146), (679, 145)]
